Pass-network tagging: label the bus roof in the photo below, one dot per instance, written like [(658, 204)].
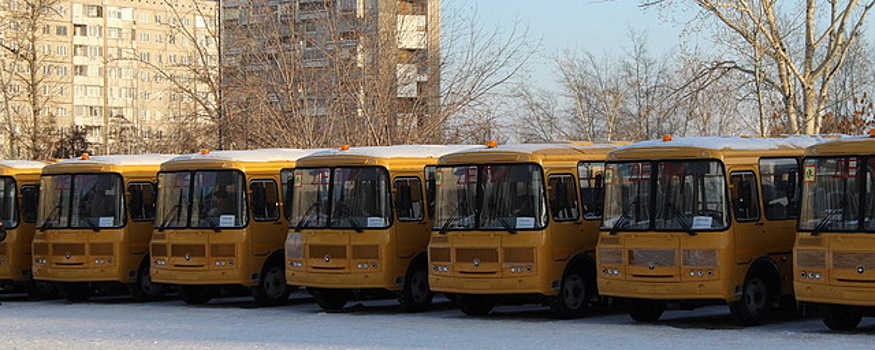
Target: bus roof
[(22, 164), (397, 151), (248, 156), (711, 146), (853, 145), (118, 160)]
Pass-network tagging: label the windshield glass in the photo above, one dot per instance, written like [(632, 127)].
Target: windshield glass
[(7, 202), (217, 200), (174, 190), (831, 194), (54, 202), (627, 196), (510, 197), (97, 201), (690, 195), (360, 198)]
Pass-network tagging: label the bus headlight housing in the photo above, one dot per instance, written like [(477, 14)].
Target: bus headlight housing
[(295, 246)]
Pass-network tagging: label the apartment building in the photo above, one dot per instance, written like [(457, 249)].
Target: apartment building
[(119, 68)]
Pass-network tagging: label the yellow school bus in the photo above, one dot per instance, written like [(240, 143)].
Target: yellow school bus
[(220, 225), (19, 195), (360, 224), (700, 220), (518, 223), (835, 247), (94, 223)]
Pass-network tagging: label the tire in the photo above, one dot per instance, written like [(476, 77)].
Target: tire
[(574, 295), (42, 290), (144, 289), (196, 295), (330, 299), (272, 290), (475, 305), (76, 291), (647, 311), (416, 296), (841, 317), (756, 299)]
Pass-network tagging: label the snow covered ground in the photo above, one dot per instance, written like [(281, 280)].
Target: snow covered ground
[(234, 323)]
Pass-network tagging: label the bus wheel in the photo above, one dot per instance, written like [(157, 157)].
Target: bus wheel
[(144, 289), (416, 295), (475, 305), (841, 317), (756, 298), (573, 298), (329, 299), (41, 290), (645, 310), (196, 295), (272, 290), (76, 291)]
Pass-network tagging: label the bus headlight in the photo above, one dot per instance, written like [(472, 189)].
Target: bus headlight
[(295, 246), (699, 257)]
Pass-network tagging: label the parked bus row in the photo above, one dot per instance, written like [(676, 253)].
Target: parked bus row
[(753, 223)]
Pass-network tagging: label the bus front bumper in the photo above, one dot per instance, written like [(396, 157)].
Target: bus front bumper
[(203, 276), (495, 285), (82, 274), (699, 290), (830, 294), (345, 280)]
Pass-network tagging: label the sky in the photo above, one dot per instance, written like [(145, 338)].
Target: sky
[(596, 26)]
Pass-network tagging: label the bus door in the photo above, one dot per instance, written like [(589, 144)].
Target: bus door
[(748, 226), (412, 230)]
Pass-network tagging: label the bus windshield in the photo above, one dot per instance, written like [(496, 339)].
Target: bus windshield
[(7, 202), (201, 199), (831, 194), (345, 197), (81, 201), (490, 197), (665, 196)]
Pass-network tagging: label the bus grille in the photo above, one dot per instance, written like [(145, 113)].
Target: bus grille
[(222, 251), (101, 249), (334, 251), (370, 252), (72, 248), (610, 256), (40, 249), (439, 254), (471, 254), (853, 260), (159, 249), (194, 250), (811, 258), (657, 257), (519, 255)]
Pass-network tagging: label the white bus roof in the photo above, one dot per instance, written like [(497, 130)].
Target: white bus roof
[(122, 160), (254, 156), (22, 164), (722, 143), (398, 151)]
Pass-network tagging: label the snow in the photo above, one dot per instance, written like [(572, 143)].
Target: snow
[(400, 151), (256, 155), (736, 142), (133, 159), (22, 164), (234, 323)]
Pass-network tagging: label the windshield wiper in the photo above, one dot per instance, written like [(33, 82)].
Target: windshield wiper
[(493, 215), (623, 216), (94, 227), (345, 208), (212, 223), (47, 222), (446, 226), (306, 215), (167, 218), (828, 219), (680, 219)]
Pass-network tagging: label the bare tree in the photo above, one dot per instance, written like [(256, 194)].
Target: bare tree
[(807, 45), (26, 83)]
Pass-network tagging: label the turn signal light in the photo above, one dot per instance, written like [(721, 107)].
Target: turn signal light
[(491, 144), (205, 151), (666, 138), (86, 156), (344, 147)]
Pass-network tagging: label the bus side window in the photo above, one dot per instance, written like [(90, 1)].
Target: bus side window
[(265, 200), (29, 202), (408, 199), (563, 198), (142, 201), (430, 188), (592, 189), (287, 177), (779, 177), (745, 202)]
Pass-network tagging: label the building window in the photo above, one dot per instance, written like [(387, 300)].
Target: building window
[(113, 33), (80, 70), (62, 50), (144, 36), (95, 31), (94, 11), (61, 30)]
